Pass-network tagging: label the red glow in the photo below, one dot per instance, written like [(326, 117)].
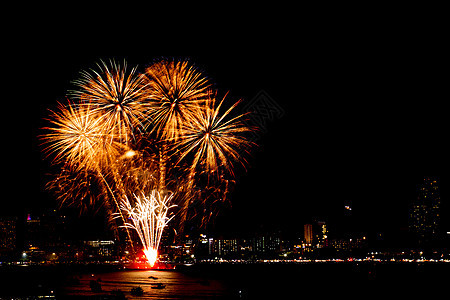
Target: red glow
[(141, 265)]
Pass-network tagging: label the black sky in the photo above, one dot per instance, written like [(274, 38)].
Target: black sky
[(364, 108)]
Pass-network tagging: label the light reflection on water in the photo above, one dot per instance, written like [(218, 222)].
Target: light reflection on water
[(229, 281), (177, 285)]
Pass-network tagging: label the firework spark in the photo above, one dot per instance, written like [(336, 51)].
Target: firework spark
[(77, 189), (214, 140), (76, 137), (119, 95), (148, 217), (177, 89)]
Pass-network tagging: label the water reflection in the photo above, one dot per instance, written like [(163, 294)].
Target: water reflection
[(155, 285)]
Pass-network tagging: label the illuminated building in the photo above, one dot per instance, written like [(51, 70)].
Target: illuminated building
[(322, 234), (8, 234), (324, 240), (308, 234), (44, 235), (202, 247), (223, 247), (100, 249), (424, 215), (315, 234), (33, 233), (45, 232), (267, 245), (245, 246), (348, 244), (273, 244), (259, 244)]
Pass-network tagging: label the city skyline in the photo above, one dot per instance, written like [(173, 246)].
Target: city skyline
[(424, 227), (47, 239), (358, 122)]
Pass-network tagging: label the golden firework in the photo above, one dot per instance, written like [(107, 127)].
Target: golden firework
[(209, 142), (119, 95), (176, 91), (128, 134), (77, 137), (212, 139)]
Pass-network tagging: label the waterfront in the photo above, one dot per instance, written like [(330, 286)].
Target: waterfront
[(176, 285), (231, 281)]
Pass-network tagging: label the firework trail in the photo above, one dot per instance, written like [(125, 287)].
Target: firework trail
[(148, 217)]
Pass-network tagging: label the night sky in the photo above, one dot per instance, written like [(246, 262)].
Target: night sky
[(364, 111)]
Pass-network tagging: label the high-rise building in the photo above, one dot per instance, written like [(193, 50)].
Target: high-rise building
[(33, 233), (424, 213), (223, 247), (322, 234), (100, 249), (7, 234), (308, 233), (45, 232)]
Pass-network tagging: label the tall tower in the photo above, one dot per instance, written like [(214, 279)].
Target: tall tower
[(424, 214), (308, 234)]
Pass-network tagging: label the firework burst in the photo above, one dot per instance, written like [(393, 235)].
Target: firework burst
[(212, 139), (119, 95), (177, 89), (76, 137)]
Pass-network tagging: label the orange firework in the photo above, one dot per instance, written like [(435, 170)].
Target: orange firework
[(118, 95), (78, 189), (212, 139), (77, 137), (176, 90), (128, 134)]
